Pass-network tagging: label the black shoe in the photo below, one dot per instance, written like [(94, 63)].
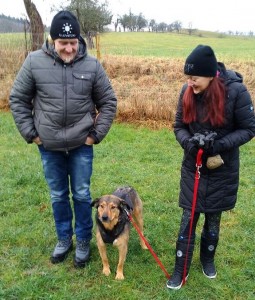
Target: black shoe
[(209, 269), (175, 282), (61, 251), (82, 254)]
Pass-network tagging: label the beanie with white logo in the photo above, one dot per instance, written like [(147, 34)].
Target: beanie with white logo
[(64, 26)]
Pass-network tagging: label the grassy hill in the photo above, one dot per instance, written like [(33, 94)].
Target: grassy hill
[(173, 45)]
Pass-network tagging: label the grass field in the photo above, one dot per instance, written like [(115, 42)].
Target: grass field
[(173, 45), (146, 72), (148, 44), (150, 161)]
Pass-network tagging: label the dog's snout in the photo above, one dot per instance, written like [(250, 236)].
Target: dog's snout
[(105, 218)]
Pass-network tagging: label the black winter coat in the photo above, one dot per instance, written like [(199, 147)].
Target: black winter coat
[(217, 187)]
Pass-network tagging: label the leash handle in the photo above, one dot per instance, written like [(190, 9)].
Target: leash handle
[(147, 244), (194, 202)]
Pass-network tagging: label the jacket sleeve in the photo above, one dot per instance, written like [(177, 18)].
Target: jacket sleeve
[(105, 102), (181, 130), (21, 102), (244, 123)]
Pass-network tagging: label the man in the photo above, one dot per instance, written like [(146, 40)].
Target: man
[(62, 101)]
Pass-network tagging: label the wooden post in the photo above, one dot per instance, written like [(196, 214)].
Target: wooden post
[(98, 45)]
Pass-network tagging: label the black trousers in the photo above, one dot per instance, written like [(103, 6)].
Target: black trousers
[(211, 227)]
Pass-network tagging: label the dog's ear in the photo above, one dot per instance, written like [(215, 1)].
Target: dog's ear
[(95, 202)]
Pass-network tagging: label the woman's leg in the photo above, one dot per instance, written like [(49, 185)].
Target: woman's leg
[(184, 248), (209, 242)]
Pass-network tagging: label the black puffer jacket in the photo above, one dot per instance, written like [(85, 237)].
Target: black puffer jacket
[(58, 102), (217, 187)]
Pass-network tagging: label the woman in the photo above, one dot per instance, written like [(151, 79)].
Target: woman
[(215, 113)]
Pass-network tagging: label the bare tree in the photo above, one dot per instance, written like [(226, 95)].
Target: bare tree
[(116, 23), (152, 25), (93, 15), (190, 29), (124, 21), (36, 24), (177, 26)]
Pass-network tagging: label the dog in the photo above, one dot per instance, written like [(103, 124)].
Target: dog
[(113, 226)]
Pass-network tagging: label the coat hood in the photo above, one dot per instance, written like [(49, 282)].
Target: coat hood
[(229, 76)]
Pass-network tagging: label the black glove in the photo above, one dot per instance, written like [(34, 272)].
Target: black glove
[(198, 139), (204, 141), (191, 147), (209, 140), (216, 148)]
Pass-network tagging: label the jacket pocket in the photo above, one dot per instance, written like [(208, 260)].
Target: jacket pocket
[(82, 83)]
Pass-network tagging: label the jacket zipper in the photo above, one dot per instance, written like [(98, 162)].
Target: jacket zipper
[(65, 107)]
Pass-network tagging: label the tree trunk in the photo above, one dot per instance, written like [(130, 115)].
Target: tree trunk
[(37, 28)]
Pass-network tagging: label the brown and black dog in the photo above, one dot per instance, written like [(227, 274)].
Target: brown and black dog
[(113, 224)]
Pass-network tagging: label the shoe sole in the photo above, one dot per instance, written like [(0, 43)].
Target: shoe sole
[(175, 287), (208, 276), (61, 258), (80, 264)]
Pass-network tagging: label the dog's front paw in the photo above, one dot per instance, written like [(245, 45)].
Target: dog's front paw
[(119, 276), (115, 242), (106, 271), (143, 245)]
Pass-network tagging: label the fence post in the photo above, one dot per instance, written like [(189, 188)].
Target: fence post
[(98, 45)]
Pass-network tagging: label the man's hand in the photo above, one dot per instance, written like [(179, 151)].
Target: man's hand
[(37, 141), (89, 141)]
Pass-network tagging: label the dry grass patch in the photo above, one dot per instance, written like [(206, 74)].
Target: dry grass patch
[(147, 88), (10, 65)]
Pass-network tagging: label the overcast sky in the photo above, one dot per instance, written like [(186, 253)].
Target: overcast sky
[(214, 15)]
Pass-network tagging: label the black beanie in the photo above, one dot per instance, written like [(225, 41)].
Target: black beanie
[(201, 62), (64, 26)]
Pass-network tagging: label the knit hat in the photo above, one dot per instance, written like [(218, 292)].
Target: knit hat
[(201, 62), (64, 26)]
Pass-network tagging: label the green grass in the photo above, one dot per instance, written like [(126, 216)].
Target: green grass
[(174, 45), (149, 161), (150, 44)]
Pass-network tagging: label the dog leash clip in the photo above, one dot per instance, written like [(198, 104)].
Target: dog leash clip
[(127, 212), (198, 172), (199, 162)]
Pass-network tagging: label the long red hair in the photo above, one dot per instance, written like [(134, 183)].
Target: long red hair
[(214, 100)]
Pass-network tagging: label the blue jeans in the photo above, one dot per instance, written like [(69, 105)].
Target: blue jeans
[(72, 169)]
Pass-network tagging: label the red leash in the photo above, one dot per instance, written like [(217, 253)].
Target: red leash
[(148, 245), (194, 202)]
